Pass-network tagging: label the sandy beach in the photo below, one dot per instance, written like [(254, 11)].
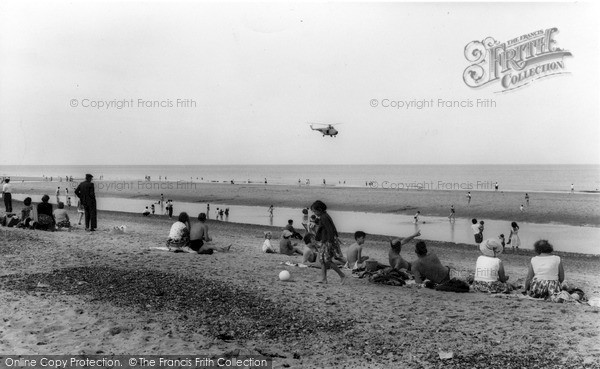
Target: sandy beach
[(110, 294), (563, 208)]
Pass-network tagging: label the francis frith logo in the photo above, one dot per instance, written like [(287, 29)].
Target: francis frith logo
[(516, 62)]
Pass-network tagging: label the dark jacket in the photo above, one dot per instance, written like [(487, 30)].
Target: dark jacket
[(85, 191)]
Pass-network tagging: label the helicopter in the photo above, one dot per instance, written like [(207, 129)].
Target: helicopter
[(326, 130)]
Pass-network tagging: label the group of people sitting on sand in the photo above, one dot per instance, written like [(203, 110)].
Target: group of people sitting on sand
[(40, 216), (322, 249), (186, 236)]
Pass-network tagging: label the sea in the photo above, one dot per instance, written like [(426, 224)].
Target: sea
[(525, 178)]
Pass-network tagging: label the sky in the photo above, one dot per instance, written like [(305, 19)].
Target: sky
[(251, 76)]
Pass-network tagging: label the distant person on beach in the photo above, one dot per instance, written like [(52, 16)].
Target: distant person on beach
[(513, 238), (270, 211), (502, 240), (546, 273), (152, 209), (481, 228), (61, 218), (496, 187), (396, 261), (146, 212), (85, 192), (522, 208), (267, 247), (489, 270), (428, 266), (169, 208), (179, 235), (416, 217), (45, 220), (286, 246), (162, 203), (199, 238), (475, 228), (469, 197), (207, 211), (327, 235), (305, 218), (452, 215), (69, 202), (572, 188), (354, 255), (527, 199), (7, 195), (58, 195)]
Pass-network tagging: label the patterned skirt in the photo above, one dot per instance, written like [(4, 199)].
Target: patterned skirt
[(490, 287), (177, 245), (543, 289), (329, 251), (63, 224)]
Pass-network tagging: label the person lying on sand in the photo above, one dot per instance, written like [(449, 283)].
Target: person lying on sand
[(428, 266), (396, 261), (286, 246), (198, 237)]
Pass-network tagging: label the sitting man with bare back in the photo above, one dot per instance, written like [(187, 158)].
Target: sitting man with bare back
[(397, 261), (199, 238)]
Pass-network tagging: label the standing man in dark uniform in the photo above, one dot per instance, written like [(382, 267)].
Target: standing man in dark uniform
[(85, 192)]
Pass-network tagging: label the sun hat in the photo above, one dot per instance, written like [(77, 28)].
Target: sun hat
[(286, 234), (491, 247), (89, 176)]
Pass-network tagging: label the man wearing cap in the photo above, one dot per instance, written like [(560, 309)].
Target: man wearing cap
[(85, 192), (286, 246)]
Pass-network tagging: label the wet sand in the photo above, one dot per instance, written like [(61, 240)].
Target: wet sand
[(580, 209)]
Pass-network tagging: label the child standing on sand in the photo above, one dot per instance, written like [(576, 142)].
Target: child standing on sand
[(80, 211), (513, 238), (327, 236)]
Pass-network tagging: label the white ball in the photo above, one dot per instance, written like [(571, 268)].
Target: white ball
[(284, 275)]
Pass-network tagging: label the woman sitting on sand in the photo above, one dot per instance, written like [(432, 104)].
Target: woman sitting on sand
[(199, 238), (179, 235), (45, 220), (61, 218), (545, 273), (489, 270)]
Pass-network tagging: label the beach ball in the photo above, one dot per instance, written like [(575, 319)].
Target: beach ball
[(284, 275)]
